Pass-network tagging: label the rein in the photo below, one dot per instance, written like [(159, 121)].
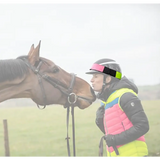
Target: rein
[(59, 85)]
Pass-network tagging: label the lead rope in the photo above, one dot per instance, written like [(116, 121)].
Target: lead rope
[(73, 131), (101, 146), (67, 138)]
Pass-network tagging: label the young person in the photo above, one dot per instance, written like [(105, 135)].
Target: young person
[(121, 116)]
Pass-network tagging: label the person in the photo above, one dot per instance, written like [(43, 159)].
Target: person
[(121, 116)]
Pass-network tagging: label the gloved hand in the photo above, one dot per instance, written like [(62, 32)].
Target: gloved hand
[(110, 140)]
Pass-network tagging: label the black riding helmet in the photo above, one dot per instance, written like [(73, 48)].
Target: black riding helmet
[(106, 67)]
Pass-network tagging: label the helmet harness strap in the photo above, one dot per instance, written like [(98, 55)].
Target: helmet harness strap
[(104, 85)]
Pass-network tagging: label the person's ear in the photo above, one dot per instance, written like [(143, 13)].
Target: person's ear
[(108, 79)]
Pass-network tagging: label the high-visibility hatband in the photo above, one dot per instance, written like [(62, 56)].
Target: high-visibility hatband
[(106, 70)]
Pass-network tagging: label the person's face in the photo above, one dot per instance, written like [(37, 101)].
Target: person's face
[(97, 82)]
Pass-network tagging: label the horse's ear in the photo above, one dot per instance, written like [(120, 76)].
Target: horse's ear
[(31, 49), (33, 56)]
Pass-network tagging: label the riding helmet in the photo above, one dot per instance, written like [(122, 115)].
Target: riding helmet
[(106, 66)]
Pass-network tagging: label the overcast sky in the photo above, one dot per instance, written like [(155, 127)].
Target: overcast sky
[(76, 35)]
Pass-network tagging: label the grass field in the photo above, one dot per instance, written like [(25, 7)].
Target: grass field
[(34, 132)]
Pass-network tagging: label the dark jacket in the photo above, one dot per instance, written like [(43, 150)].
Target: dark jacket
[(135, 114)]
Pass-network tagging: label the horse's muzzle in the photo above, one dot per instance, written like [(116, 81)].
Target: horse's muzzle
[(93, 93)]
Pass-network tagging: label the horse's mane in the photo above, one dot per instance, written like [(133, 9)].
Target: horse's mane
[(11, 69)]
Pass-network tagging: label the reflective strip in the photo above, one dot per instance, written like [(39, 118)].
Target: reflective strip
[(109, 63)]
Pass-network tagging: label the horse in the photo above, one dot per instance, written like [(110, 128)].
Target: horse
[(46, 83), (43, 81)]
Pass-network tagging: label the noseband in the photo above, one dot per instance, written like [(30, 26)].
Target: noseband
[(71, 96)]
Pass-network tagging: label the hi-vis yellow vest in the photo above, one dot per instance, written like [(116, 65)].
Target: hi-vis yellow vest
[(116, 121)]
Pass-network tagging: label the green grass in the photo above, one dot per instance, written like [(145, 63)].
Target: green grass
[(152, 109), (34, 132)]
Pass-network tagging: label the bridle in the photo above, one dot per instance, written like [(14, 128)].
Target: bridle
[(61, 87), (56, 83)]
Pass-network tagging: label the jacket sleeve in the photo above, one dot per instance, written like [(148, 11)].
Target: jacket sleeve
[(99, 118), (132, 106)]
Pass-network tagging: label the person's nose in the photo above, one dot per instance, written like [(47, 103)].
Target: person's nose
[(92, 79)]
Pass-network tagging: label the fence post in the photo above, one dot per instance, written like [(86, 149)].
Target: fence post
[(6, 139)]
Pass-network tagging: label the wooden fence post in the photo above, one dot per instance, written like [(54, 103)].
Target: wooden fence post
[(6, 139)]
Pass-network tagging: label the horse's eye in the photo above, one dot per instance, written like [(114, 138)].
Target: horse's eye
[(55, 69)]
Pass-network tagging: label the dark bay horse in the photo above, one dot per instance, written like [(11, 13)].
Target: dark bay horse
[(43, 81)]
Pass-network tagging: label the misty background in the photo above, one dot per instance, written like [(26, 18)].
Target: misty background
[(74, 36)]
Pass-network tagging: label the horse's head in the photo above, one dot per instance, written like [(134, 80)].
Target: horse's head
[(50, 84)]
